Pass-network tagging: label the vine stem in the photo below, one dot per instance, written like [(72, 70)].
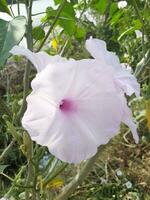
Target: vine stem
[(28, 66), (140, 18), (53, 24), (30, 173), (69, 189), (18, 7), (55, 174), (6, 176), (7, 150), (142, 64), (145, 60), (5, 109)]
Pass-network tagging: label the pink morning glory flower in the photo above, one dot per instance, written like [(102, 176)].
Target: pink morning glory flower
[(77, 105)]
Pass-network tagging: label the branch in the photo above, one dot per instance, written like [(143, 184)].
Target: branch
[(28, 66), (140, 18), (58, 171), (4, 109), (53, 24), (69, 189), (7, 150), (18, 7), (142, 64)]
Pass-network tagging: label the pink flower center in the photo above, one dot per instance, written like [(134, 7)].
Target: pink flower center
[(67, 105)]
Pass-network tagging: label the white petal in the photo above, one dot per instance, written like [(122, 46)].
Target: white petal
[(102, 116), (39, 60), (127, 67), (73, 78), (66, 137), (127, 119), (73, 142), (55, 80), (97, 49), (127, 82), (124, 79), (122, 4), (138, 34), (39, 114)]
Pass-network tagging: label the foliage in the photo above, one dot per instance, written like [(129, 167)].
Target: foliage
[(11, 34), (4, 7)]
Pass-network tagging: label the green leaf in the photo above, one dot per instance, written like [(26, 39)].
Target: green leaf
[(10, 35), (80, 33), (50, 13), (38, 33), (147, 96), (137, 25), (4, 7), (28, 145), (116, 17), (12, 130), (74, 2), (57, 2), (68, 10), (113, 9), (126, 32), (68, 26), (100, 5), (67, 19), (2, 168)]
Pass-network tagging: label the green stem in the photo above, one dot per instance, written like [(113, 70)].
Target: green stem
[(30, 174), (28, 66), (4, 109), (28, 180), (8, 177), (7, 150), (40, 13), (53, 24), (137, 11), (55, 174), (12, 13), (69, 189), (83, 10), (140, 18), (18, 7), (49, 163), (142, 64)]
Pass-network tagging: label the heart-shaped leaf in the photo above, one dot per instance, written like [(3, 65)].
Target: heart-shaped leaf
[(2, 168), (10, 35)]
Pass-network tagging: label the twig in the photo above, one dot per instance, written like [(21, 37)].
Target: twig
[(140, 18), (4, 109), (12, 13), (7, 150), (53, 24), (8, 177), (55, 174), (142, 64), (28, 66), (83, 10), (68, 189), (18, 7), (40, 13)]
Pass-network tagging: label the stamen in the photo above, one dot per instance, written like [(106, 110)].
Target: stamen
[(67, 105)]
